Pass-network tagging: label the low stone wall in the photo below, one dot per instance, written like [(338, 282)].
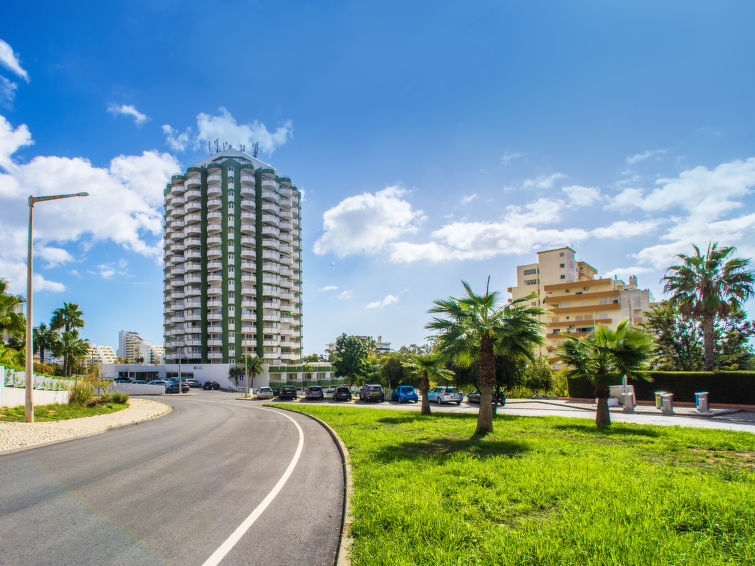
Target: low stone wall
[(137, 388)]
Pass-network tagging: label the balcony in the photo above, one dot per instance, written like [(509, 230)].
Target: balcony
[(214, 316), (193, 217), (248, 278), (270, 279), (214, 178), (270, 219), (214, 303), (248, 216), (193, 242), (214, 342), (247, 178), (191, 292), (248, 317), (270, 267), (248, 304), (248, 329), (214, 240), (271, 316), (270, 254), (285, 237), (192, 194), (214, 215), (247, 191), (215, 203), (214, 290), (193, 254), (284, 191), (269, 183), (214, 190), (270, 231), (193, 180), (214, 329), (215, 355)]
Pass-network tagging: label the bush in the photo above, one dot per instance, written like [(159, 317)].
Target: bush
[(119, 397), (79, 394)]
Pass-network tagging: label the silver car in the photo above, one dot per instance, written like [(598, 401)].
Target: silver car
[(444, 394), (265, 393)]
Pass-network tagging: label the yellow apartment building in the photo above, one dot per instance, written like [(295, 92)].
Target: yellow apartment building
[(576, 300)]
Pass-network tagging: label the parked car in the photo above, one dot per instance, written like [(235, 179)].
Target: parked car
[(372, 392), (474, 397), (404, 393), (158, 382), (209, 384), (444, 394), (342, 393), (123, 380), (287, 392), (265, 393), (276, 391), (314, 392), (172, 387), (193, 383), (140, 381)]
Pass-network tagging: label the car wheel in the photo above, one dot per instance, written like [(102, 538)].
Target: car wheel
[(458, 402)]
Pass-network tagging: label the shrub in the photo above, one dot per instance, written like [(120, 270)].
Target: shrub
[(105, 398), (119, 397), (79, 394)]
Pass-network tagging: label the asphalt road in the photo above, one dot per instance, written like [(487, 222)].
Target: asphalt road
[(173, 490)]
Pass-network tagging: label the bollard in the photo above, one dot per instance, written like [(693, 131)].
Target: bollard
[(628, 399), (658, 399), (702, 402), (667, 403)]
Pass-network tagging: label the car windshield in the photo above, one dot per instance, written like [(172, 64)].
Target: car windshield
[(405, 388), (374, 388), (451, 390), (316, 388)]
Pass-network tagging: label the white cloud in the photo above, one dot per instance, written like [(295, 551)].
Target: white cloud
[(328, 288), (387, 300), (623, 229), (510, 156), (407, 252), (10, 60), (128, 110), (657, 153), (225, 128), (468, 198), (345, 295), (107, 271), (542, 181), (624, 272), (541, 211), (124, 205), (53, 256), (366, 223), (626, 199), (7, 90), (582, 196)]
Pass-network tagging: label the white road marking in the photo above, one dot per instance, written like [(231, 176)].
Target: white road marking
[(231, 541)]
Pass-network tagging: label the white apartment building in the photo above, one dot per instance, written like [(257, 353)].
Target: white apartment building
[(232, 263), (135, 349), (100, 355), (576, 300)]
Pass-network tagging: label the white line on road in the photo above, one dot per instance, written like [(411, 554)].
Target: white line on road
[(231, 541)]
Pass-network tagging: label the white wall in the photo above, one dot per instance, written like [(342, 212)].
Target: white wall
[(15, 396)]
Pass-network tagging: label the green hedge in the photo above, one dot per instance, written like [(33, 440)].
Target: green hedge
[(735, 387)]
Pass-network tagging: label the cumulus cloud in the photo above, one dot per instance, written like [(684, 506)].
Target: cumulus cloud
[(345, 295), (510, 156), (623, 229), (123, 206), (328, 288), (10, 60), (657, 153), (128, 110), (225, 128), (387, 300), (466, 199), (7, 90), (366, 223), (582, 196), (542, 181)]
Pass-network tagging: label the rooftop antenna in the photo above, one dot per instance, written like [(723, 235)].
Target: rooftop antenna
[(209, 147), (243, 148), (256, 149), (216, 145)]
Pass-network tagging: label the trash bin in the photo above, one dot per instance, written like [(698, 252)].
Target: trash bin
[(658, 399), (628, 402), (667, 403), (701, 402)]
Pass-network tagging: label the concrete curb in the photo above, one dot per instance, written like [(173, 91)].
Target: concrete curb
[(342, 556), (87, 434)]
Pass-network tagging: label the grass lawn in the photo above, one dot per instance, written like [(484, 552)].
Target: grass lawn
[(46, 413), (545, 490)]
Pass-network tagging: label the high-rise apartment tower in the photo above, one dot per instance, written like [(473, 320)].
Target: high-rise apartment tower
[(232, 263)]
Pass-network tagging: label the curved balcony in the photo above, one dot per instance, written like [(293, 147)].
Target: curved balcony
[(214, 252), (270, 219), (214, 203), (193, 180), (247, 191), (248, 227), (270, 207), (193, 229), (215, 355), (214, 215), (192, 194), (214, 191), (248, 252), (248, 279), (212, 240), (215, 316), (193, 206), (214, 178), (270, 254)]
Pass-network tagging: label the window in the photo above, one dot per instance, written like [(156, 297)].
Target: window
[(563, 277), (561, 254), (230, 207), (530, 271), (562, 265), (230, 171), (231, 195), (530, 281)]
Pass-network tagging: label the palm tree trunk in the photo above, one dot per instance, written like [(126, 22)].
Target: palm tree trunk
[(487, 381), (709, 340), (602, 414), (424, 387)]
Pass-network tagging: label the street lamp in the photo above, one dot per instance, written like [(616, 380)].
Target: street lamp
[(29, 378)]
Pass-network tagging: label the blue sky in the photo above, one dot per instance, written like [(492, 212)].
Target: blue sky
[(433, 141)]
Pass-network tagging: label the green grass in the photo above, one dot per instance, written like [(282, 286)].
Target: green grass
[(544, 491), (47, 413)]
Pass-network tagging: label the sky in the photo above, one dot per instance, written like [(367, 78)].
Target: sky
[(434, 142)]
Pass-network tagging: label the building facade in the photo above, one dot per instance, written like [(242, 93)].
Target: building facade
[(232, 263), (135, 349), (575, 299), (99, 355)]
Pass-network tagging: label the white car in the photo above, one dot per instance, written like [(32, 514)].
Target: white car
[(265, 393)]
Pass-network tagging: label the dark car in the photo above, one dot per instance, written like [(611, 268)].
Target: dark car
[(172, 387), (372, 392), (123, 380), (404, 393), (287, 392), (276, 392), (474, 397), (342, 393), (209, 384), (193, 383), (314, 392)]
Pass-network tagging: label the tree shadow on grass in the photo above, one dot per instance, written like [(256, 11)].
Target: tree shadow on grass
[(443, 446), (607, 431)]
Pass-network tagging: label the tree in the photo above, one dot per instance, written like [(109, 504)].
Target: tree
[(44, 339), (72, 348), (253, 365), (709, 287), (475, 328), (427, 367), (12, 323), (678, 344), (68, 317), (235, 371), (349, 357), (604, 357), (733, 350)]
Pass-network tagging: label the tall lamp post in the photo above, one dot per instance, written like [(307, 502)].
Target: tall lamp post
[(29, 377)]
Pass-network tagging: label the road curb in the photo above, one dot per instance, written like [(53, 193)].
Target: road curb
[(342, 556)]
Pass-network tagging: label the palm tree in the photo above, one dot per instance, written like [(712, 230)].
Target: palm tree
[(254, 365), (44, 339), (425, 367), (12, 323), (604, 357), (68, 317), (706, 287), (476, 327), (72, 348)]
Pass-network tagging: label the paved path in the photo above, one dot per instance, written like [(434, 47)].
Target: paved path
[(174, 489), (727, 419)]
